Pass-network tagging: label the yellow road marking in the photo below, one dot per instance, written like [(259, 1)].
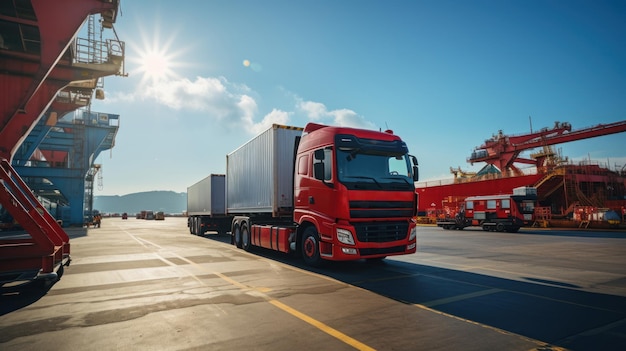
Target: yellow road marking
[(310, 320), (321, 326)]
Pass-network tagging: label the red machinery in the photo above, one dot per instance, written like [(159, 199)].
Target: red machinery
[(503, 151), (494, 212), (559, 185), (38, 60)]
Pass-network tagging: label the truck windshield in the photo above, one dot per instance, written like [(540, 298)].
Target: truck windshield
[(373, 164)]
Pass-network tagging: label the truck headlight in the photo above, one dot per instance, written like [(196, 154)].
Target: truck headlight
[(413, 233), (344, 236)]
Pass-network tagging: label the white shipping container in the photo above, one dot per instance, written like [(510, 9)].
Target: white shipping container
[(259, 174), (208, 196)]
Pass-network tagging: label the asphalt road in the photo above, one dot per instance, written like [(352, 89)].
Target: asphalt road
[(138, 284)]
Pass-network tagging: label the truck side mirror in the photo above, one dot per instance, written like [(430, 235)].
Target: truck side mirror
[(318, 169), (416, 171), (319, 154)]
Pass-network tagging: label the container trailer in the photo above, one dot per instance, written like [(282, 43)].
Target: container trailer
[(206, 206), (327, 193)]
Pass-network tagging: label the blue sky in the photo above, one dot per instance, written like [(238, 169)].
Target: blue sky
[(206, 76)]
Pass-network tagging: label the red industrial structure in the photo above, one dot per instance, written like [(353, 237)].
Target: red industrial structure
[(503, 151), (42, 71), (566, 193)]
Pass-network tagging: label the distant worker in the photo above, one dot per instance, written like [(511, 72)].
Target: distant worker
[(96, 220)]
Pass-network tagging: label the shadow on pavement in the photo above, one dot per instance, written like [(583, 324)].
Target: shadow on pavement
[(549, 311)]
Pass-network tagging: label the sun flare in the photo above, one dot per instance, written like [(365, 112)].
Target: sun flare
[(155, 59), (155, 66)]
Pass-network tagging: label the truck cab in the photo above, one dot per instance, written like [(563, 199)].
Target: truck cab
[(354, 194)]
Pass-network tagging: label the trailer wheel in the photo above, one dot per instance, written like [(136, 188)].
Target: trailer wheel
[(199, 227), (311, 247), (191, 224), (246, 242), (237, 235), (500, 227)]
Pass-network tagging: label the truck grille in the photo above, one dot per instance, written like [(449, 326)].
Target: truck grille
[(381, 232), (381, 209)]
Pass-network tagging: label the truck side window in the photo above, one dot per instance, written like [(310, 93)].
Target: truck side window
[(469, 205), (323, 158), (506, 203), (328, 164), (303, 165), (491, 204)]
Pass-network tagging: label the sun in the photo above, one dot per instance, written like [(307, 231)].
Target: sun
[(155, 66), (154, 58)]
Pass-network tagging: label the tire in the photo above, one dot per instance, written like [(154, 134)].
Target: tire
[(500, 227), (237, 236), (246, 240), (198, 226), (310, 247)]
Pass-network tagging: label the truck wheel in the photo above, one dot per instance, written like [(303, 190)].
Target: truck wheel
[(311, 247), (199, 227), (246, 242), (500, 227), (237, 235)]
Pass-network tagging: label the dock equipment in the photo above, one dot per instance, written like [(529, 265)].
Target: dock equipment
[(41, 61), (503, 151), (56, 160)]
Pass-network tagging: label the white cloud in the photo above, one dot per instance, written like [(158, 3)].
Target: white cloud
[(232, 105), (317, 112), (276, 116), (314, 110), (218, 99), (349, 118)]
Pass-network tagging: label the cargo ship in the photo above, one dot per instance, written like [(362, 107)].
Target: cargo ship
[(583, 194)]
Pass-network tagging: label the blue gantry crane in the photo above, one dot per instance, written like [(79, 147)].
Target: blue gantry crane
[(56, 160)]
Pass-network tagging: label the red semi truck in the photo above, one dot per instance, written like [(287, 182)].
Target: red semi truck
[(494, 212), (328, 193)]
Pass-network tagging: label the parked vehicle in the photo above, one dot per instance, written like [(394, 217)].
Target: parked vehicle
[(206, 206), (494, 212), (328, 193)]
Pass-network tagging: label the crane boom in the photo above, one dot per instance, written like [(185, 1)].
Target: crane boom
[(503, 151)]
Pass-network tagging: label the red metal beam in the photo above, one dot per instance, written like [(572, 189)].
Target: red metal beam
[(48, 245), (17, 126), (59, 22), (503, 151), (29, 84)]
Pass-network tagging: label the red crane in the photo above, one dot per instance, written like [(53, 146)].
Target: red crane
[(37, 62), (503, 151)]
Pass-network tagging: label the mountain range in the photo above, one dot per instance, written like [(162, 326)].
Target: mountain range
[(167, 201)]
